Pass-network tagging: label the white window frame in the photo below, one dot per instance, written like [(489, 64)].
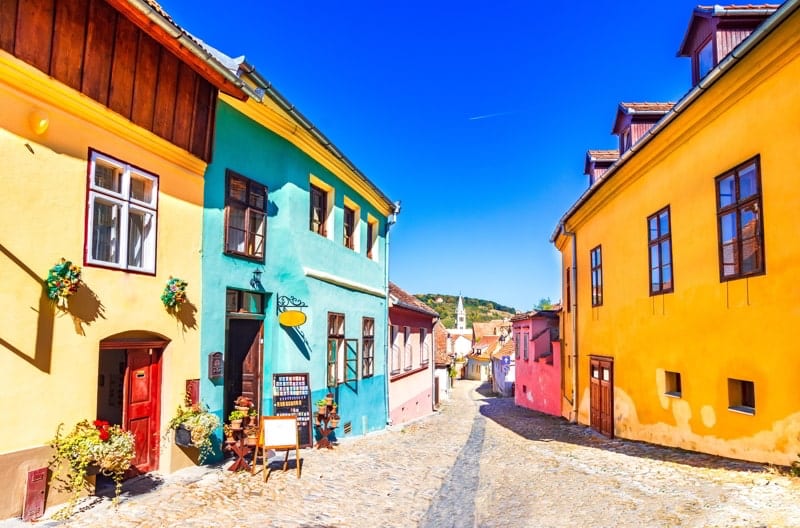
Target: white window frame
[(126, 205), (408, 361), (425, 346), (396, 347)]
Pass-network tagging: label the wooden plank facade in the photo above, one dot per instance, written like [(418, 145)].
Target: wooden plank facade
[(93, 48)]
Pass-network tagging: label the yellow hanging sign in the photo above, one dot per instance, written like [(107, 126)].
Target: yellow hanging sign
[(292, 318)]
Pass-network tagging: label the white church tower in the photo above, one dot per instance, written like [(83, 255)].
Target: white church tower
[(461, 315)]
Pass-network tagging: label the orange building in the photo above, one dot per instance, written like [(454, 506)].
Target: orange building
[(680, 263)]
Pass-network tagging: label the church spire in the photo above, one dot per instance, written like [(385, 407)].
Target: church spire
[(461, 315)]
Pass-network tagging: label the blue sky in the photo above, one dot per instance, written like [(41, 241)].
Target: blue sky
[(476, 115)]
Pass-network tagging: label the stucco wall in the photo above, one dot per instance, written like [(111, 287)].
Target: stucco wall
[(292, 250), (707, 330), (52, 354)]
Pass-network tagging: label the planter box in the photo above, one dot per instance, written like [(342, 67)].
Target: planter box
[(183, 437)]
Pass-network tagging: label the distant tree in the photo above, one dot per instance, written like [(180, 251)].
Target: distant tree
[(544, 304)]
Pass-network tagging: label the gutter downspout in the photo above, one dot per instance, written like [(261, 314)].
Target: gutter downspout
[(390, 221), (573, 302)]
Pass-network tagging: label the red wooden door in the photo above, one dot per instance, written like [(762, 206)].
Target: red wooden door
[(141, 413), (601, 396)]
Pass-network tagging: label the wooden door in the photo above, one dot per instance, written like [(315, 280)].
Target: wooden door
[(141, 412), (601, 397), (243, 361)]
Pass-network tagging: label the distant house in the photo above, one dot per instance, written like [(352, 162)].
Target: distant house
[(495, 327), (538, 361), (504, 369), (411, 380), (598, 162), (442, 365), (479, 361)]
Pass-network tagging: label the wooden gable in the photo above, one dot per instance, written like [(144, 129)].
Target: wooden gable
[(93, 48)]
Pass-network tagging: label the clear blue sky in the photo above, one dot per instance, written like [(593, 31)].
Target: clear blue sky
[(476, 115)]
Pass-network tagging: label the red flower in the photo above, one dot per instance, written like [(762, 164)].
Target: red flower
[(104, 435)]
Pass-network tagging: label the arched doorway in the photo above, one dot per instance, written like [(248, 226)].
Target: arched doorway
[(129, 390)]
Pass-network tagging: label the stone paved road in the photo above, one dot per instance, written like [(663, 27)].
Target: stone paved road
[(481, 462)]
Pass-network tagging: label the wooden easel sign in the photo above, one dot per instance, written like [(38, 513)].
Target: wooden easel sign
[(279, 433)]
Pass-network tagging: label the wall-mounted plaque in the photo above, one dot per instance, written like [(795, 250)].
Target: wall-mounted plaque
[(215, 366)]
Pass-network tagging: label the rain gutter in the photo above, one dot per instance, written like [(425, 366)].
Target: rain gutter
[(189, 43)]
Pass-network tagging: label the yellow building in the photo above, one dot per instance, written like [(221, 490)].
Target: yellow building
[(105, 134), (680, 263)]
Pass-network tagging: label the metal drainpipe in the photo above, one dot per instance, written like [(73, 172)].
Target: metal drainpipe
[(573, 301), (390, 221)]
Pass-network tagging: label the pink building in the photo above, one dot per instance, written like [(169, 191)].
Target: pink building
[(537, 355), (411, 368)]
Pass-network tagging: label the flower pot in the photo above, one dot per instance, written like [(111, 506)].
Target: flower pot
[(183, 436), (241, 408), (329, 399), (333, 424), (250, 441), (322, 409), (236, 424)]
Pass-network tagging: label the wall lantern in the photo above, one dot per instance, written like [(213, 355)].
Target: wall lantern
[(289, 313), (255, 281), (39, 121)]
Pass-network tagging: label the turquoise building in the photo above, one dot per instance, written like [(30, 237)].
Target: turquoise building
[(295, 270)]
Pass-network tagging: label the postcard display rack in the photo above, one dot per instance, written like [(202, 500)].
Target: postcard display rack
[(291, 396)]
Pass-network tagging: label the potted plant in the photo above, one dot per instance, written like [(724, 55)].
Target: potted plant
[(329, 398), (228, 431), (193, 426), (243, 403), (235, 417), (62, 281), (251, 433), (98, 444), (322, 406), (334, 421), (174, 293)]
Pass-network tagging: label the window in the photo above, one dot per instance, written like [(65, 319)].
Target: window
[(349, 227), (659, 240), (568, 283), (409, 350), (424, 346), (367, 347), (597, 276), (672, 384), (525, 342), (245, 216), (517, 338), (319, 211), (372, 239), (739, 222), (396, 348), (121, 215), (239, 301), (705, 59), (741, 396), (336, 349)]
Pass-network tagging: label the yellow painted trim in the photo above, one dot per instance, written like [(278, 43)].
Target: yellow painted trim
[(271, 117), (34, 83), (320, 183), (351, 204)]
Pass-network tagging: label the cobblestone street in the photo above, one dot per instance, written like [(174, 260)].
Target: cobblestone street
[(481, 461)]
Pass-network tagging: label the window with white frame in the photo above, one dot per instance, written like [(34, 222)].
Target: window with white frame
[(121, 216), (396, 348), (409, 349), (525, 344), (372, 239), (424, 346)]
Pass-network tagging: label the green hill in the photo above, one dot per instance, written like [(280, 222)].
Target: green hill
[(478, 310)]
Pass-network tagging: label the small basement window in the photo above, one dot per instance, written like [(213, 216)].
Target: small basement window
[(672, 384), (741, 396)]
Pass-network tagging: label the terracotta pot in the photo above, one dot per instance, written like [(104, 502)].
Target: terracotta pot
[(236, 424)]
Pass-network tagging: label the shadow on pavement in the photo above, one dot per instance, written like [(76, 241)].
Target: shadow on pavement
[(539, 427)]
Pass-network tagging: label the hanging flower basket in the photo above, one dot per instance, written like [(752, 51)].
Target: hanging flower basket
[(62, 281), (174, 293)]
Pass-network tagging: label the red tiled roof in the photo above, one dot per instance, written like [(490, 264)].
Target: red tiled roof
[(738, 8), (506, 350), (407, 300)]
